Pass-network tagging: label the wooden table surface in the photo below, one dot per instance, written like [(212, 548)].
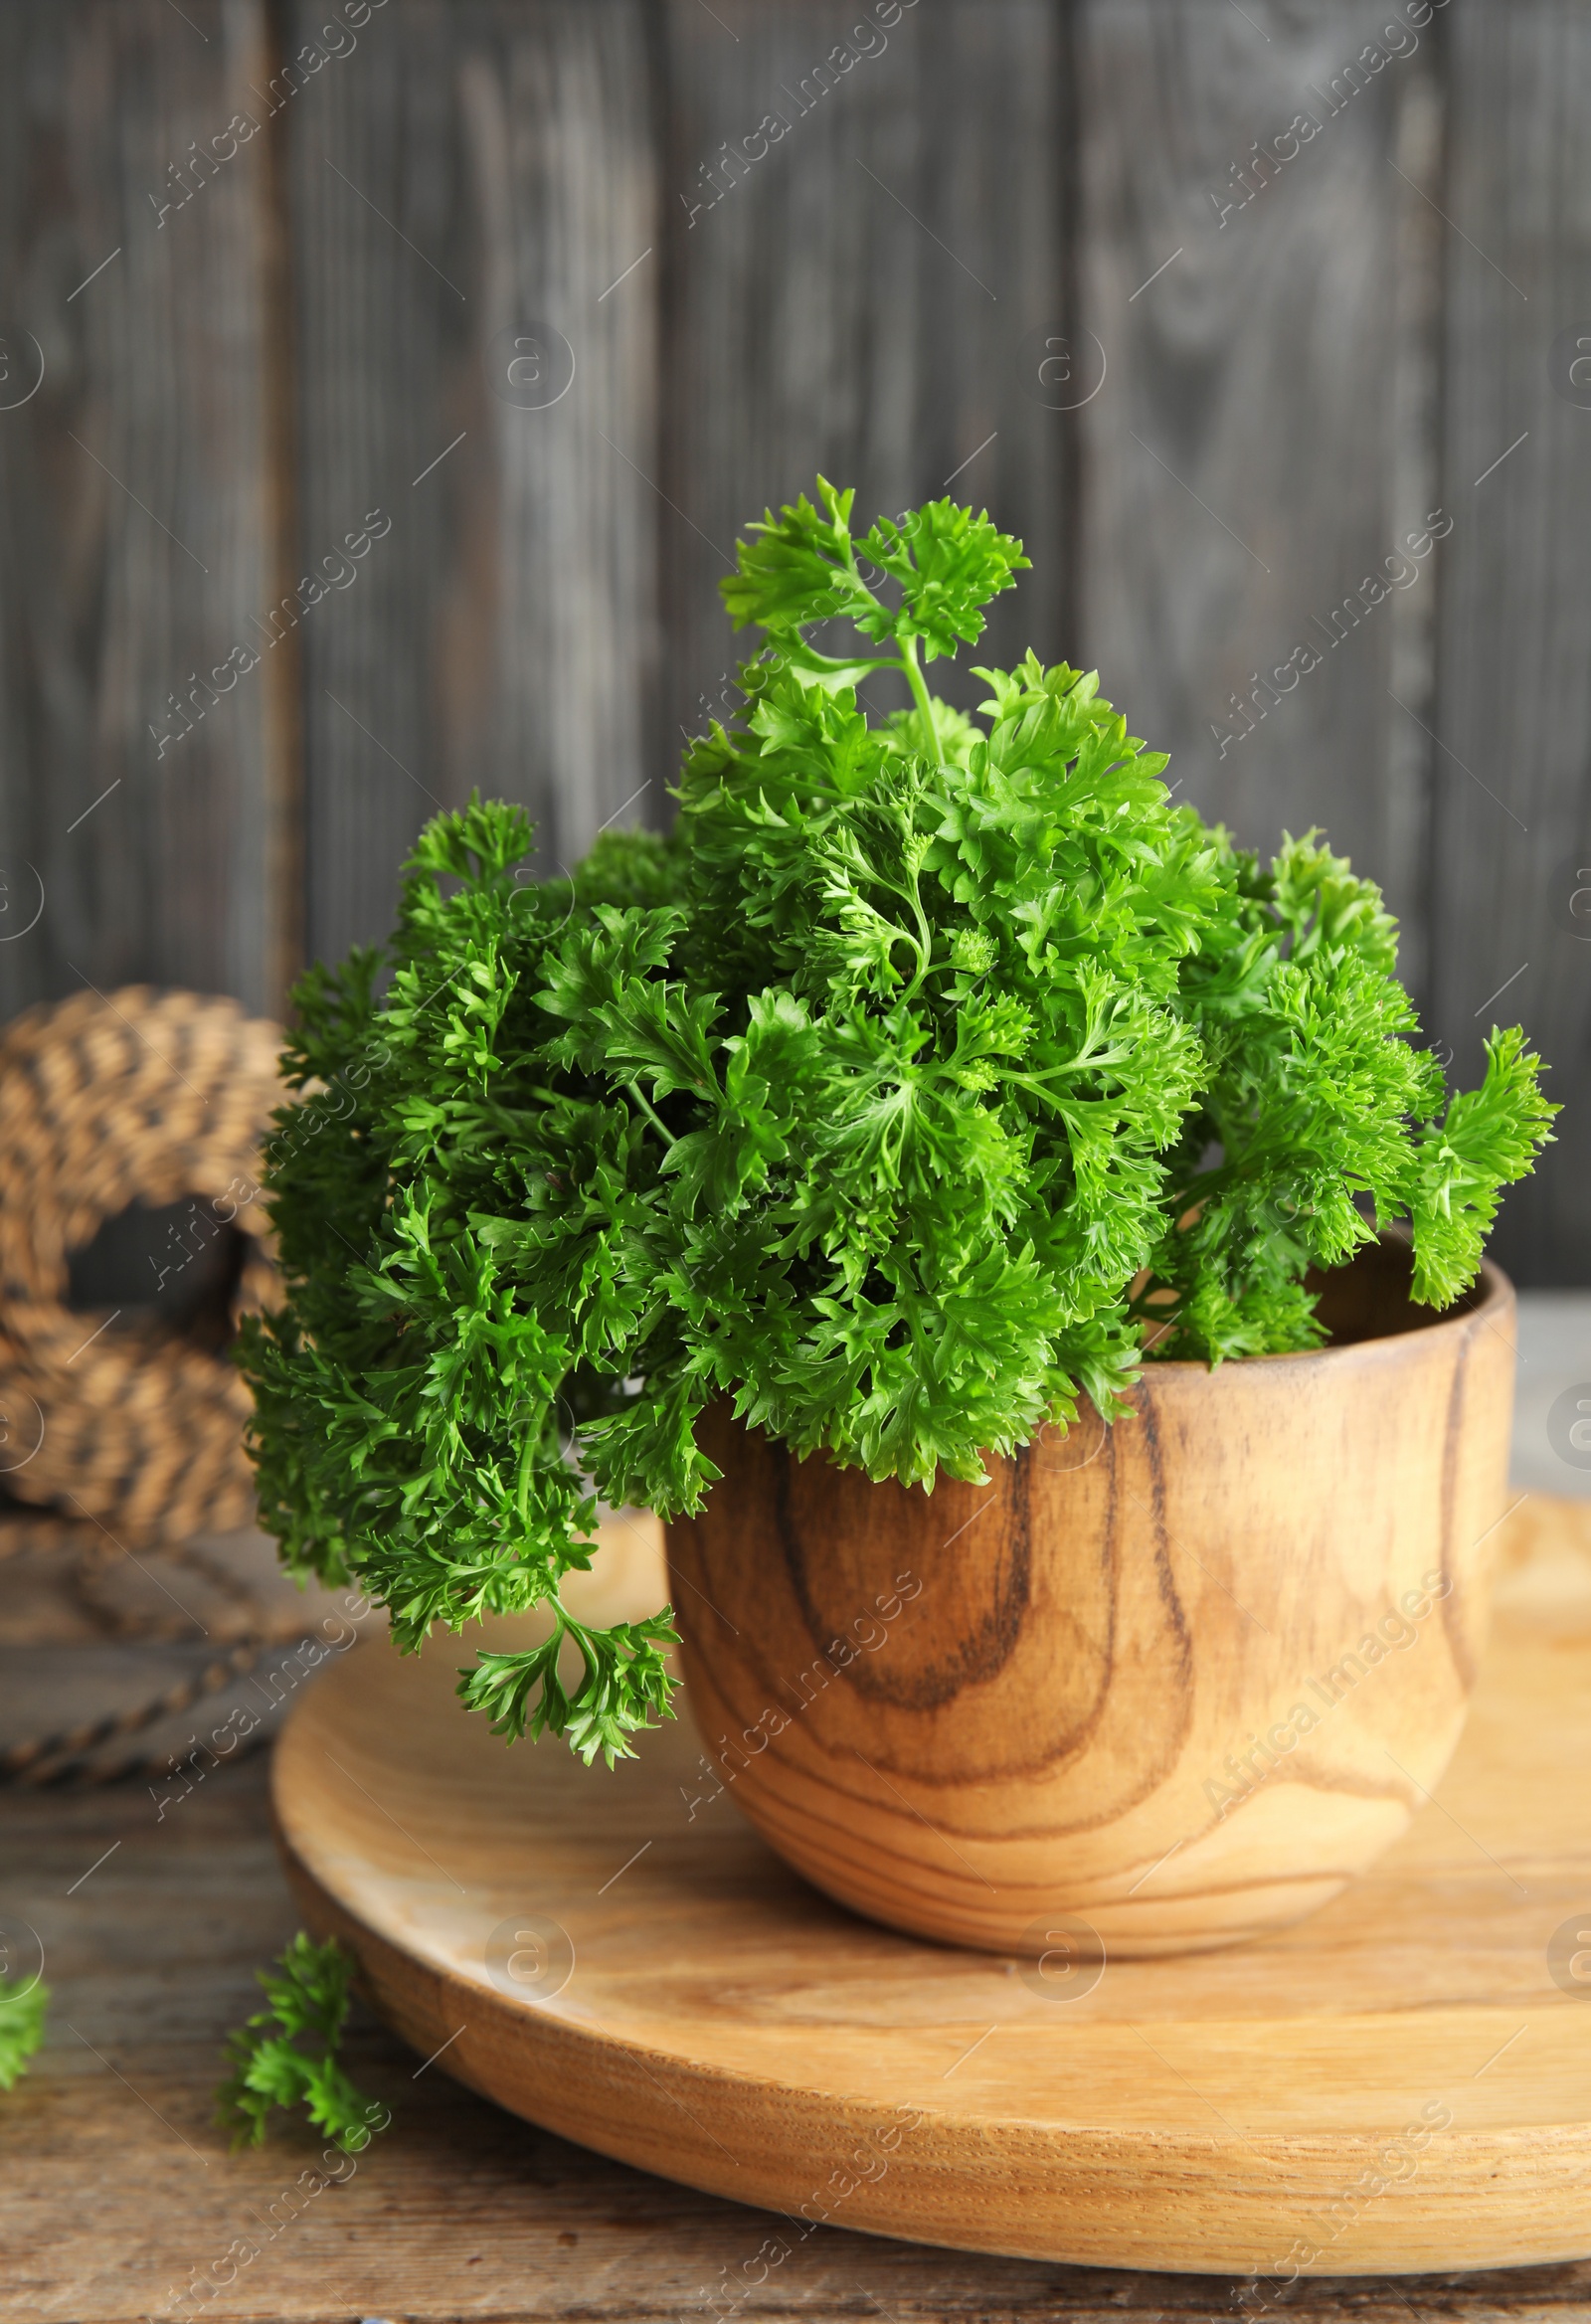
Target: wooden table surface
[(114, 2187)]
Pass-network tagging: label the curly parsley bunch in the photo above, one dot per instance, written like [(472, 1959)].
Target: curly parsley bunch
[(931, 1072)]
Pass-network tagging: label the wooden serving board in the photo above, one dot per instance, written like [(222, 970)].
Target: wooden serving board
[(1400, 2083)]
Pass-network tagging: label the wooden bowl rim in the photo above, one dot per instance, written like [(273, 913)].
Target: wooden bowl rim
[(1496, 1292)]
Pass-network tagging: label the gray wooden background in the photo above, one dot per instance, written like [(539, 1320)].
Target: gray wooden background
[(774, 235)]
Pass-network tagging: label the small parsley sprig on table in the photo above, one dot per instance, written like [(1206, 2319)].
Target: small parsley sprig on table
[(931, 1073), (269, 2070), (24, 2006)]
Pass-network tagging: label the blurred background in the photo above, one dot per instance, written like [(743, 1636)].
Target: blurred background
[(384, 386)]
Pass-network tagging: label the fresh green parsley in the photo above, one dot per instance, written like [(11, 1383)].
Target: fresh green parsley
[(932, 1072), (23, 2003), (268, 2067)]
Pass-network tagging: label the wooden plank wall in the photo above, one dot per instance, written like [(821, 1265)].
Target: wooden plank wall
[(853, 301), (769, 236), (473, 168), (1512, 770), (136, 521), (1253, 455)]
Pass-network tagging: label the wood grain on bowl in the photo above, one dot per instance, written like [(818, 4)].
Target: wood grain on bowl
[(1174, 1682)]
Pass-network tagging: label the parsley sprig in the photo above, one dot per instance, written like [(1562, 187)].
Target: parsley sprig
[(268, 2069), (928, 1075), (24, 2006)]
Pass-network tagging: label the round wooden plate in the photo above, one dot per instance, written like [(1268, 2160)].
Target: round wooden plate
[(1402, 2082)]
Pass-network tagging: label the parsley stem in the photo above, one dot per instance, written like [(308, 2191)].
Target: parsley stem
[(650, 1112), (847, 661), (921, 696), (527, 1452)]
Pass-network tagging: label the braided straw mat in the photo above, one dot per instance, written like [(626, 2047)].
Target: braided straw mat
[(104, 1101)]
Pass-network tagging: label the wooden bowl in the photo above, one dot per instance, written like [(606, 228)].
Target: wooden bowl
[(1158, 1687)]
